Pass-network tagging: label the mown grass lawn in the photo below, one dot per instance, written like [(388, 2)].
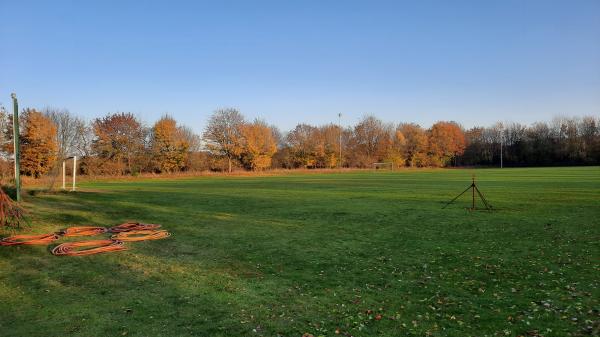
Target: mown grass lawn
[(358, 253)]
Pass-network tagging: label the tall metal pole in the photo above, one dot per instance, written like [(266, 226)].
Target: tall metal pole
[(501, 150), (340, 127), (16, 146)]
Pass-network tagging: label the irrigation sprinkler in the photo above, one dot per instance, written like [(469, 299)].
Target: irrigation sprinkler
[(474, 189)]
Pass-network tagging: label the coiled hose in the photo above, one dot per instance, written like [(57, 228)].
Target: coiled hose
[(131, 231), (98, 246), (142, 235), (133, 226), (44, 239), (83, 231)]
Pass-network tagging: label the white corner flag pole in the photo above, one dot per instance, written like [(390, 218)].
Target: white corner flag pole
[(64, 175)]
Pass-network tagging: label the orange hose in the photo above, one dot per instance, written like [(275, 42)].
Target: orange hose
[(132, 226), (141, 235), (43, 239), (99, 246), (83, 231)]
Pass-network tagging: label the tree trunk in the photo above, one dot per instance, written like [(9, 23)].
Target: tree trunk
[(229, 161)]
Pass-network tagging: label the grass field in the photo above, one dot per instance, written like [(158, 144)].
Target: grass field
[(363, 253)]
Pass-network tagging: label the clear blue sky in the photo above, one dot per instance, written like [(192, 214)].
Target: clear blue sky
[(475, 62)]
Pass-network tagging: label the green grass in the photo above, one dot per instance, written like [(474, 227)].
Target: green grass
[(312, 253)]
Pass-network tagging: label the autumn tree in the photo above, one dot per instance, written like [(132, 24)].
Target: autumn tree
[(328, 146), (38, 143), (302, 143), (5, 139), (415, 144), (396, 153), (191, 138), (540, 139), (169, 146), (371, 141), (69, 131), (223, 134), (446, 141), (475, 146), (119, 138), (590, 134), (259, 143)]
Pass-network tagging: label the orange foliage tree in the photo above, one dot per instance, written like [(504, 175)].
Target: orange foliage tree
[(446, 141), (38, 143), (169, 145)]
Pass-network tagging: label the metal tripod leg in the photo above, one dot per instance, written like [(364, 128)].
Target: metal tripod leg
[(487, 205), (458, 196)]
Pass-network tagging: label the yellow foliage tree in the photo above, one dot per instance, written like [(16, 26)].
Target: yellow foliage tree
[(169, 145), (258, 144), (328, 147), (414, 144)]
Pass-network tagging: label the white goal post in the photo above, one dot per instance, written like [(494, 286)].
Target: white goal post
[(383, 166), (64, 172)]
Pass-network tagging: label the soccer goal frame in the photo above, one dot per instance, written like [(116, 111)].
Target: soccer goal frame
[(381, 166), (64, 173)]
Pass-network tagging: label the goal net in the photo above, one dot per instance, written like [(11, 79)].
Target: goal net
[(383, 166)]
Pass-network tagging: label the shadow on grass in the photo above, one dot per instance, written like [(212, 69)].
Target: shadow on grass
[(279, 259)]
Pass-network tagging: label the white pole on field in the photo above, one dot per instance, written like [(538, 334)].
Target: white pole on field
[(74, 171), (501, 151), (64, 175), (501, 146)]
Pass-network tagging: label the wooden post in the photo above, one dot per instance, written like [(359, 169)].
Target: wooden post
[(74, 171)]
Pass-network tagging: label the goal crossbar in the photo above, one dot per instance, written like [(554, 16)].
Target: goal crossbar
[(379, 166)]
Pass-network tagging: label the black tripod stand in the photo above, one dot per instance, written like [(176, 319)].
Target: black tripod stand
[(473, 188)]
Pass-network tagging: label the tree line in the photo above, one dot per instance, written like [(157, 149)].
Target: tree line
[(121, 144)]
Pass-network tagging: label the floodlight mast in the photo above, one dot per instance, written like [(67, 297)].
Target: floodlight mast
[(16, 146), (340, 127), (501, 150)]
